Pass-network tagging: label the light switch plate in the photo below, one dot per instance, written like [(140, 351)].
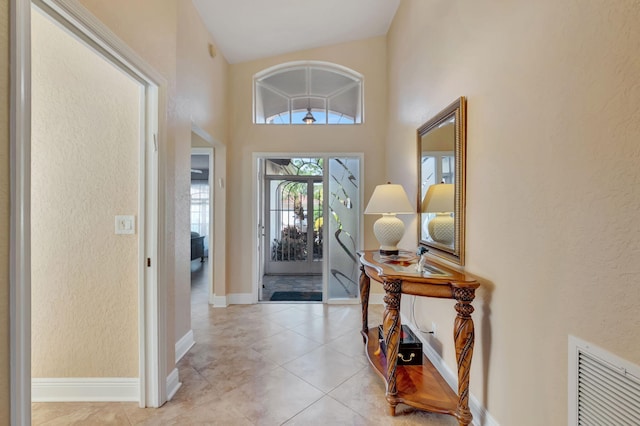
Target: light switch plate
[(125, 224)]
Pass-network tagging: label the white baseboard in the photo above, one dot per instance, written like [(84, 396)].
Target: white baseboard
[(218, 301), (173, 383), (80, 389), (481, 416), (183, 345), (376, 298), (240, 299)]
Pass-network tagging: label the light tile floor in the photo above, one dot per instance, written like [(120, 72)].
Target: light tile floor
[(265, 364)]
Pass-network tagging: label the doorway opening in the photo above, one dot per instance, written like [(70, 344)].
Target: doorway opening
[(144, 380), (309, 221), (201, 221), (87, 171)]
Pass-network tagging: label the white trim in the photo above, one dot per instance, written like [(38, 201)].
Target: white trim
[(324, 65), (240, 299), (218, 301), (101, 38), (481, 416), (143, 233), (183, 345), (202, 133), (173, 383), (256, 237), (20, 204), (97, 389)]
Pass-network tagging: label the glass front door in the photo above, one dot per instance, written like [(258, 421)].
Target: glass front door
[(344, 225), (294, 227), (310, 228)]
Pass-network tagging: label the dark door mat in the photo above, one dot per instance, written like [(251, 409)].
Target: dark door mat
[(296, 296)]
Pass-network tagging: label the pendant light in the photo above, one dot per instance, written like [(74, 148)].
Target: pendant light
[(309, 118)]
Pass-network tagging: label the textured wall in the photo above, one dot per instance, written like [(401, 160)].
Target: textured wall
[(85, 143), (170, 36), (149, 28), (552, 180), (367, 57), (201, 91), (4, 213)]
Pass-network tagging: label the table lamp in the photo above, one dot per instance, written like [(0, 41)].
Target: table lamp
[(439, 200), (389, 200)]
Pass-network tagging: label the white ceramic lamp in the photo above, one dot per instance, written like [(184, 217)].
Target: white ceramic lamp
[(389, 200), (439, 200)]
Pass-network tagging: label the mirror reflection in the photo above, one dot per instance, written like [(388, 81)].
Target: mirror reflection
[(441, 187)]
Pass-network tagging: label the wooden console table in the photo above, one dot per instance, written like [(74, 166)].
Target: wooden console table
[(419, 386)]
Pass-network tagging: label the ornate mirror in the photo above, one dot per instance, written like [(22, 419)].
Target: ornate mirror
[(441, 186)]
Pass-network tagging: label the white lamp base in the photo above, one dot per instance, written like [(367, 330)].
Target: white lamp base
[(388, 231), (441, 228)]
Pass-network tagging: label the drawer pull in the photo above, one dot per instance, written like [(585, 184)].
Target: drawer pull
[(406, 360)]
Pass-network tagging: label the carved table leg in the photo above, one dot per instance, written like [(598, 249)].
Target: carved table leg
[(464, 335), (365, 285), (391, 327)]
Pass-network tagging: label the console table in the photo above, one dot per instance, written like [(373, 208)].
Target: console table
[(419, 386)]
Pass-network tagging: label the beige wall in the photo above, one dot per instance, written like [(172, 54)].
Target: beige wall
[(4, 213), (552, 180), (170, 36), (84, 162), (202, 94), (150, 28), (367, 57)]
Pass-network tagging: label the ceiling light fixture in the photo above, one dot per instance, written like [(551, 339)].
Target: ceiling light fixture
[(309, 118)]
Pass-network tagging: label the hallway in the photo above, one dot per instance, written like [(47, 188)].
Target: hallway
[(264, 364)]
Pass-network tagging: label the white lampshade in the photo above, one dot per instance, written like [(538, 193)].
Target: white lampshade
[(439, 200), (389, 200)]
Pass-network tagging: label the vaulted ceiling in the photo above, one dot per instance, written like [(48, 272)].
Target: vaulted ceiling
[(245, 30)]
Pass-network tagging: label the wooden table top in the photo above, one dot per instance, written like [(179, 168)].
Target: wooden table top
[(403, 267)]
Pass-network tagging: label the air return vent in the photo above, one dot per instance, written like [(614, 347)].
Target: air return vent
[(603, 389)]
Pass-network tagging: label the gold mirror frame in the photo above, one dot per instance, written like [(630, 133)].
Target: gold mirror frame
[(456, 111)]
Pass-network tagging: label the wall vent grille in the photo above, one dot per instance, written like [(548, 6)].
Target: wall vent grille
[(603, 389)]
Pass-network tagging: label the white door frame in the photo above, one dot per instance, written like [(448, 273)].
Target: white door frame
[(218, 236), (152, 287), (210, 153), (257, 254)]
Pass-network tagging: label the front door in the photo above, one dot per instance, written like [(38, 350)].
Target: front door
[(309, 229), (294, 225)]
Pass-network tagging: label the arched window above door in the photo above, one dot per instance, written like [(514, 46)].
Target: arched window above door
[(288, 93)]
